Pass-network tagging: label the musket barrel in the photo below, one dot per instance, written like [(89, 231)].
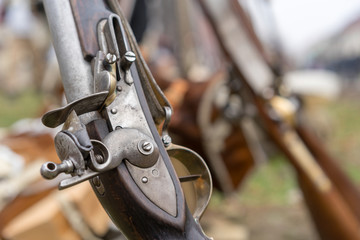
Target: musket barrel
[(75, 71)]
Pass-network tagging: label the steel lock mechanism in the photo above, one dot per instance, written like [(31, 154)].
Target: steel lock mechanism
[(75, 150), (83, 158)]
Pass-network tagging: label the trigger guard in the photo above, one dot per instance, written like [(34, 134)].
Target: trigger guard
[(183, 157)]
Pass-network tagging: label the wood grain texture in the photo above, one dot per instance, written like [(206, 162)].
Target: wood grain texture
[(87, 14)]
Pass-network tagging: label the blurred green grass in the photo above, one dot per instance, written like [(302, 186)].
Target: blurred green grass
[(344, 140), (25, 105), (271, 183)]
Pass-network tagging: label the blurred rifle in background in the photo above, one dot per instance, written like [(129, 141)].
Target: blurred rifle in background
[(188, 67), (218, 116), (330, 196)]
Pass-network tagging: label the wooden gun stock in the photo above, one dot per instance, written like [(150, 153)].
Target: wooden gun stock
[(139, 218)]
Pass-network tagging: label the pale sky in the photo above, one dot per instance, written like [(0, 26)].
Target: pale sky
[(303, 22)]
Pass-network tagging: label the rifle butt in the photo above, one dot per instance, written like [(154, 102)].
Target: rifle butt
[(330, 213)]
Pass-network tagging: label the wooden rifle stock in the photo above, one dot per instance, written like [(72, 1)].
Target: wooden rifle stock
[(328, 164), (331, 198), (332, 215)]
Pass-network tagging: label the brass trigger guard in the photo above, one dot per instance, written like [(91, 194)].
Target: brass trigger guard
[(194, 176)]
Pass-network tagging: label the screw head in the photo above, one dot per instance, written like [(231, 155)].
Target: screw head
[(111, 58), (126, 60), (166, 139), (147, 146), (130, 56), (113, 111), (99, 158)]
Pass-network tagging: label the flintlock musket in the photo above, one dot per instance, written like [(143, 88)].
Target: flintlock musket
[(115, 123)]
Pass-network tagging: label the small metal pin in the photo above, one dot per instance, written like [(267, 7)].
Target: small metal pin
[(98, 185), (119, 88), (113, 111), (155, 172), (144, 179), (96, 181)]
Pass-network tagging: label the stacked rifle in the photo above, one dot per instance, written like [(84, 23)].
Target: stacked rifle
[(240, 104)]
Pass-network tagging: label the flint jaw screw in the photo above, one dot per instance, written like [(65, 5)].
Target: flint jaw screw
[(145, 147)]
